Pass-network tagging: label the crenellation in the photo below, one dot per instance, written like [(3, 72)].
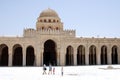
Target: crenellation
[(49, 31), (29, 32), (69, 33)]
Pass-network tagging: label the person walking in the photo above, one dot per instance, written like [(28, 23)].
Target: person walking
[(44, 69), (54, 71), (50, 69), (62, 70)]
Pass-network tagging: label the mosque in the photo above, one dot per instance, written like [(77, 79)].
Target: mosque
[(50, 43)]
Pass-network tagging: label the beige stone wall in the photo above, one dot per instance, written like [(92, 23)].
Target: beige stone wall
[(62, 41)]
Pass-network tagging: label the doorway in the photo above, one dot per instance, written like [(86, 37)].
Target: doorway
[(17, 55), (49, 54), (30, 56)]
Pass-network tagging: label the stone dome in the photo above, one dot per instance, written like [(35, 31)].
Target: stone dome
[(48, 13)]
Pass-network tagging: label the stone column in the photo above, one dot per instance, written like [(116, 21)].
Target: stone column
[(58, 57), (109, 56), (62, 57), (98, 56), (42, 50), (118, 55), (75, 57), (10, 56), (86, 55), (24, 56), (38, 56)]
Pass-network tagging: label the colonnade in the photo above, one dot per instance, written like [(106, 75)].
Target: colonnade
[(92, 55), (81, 55)]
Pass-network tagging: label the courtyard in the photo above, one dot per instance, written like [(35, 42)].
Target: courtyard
[(98, 72)]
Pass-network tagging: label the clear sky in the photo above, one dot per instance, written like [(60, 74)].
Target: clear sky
[(90, 18)]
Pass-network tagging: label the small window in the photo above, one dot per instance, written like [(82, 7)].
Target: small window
[(49, 20), (45, 20), (53, 20), (40, 20)]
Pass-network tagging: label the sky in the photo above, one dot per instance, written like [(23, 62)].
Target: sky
[(90, 18)]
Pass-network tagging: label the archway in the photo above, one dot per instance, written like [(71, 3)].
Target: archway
[(17, 55), (114, 55), (92, 55), (81, 55), (3, 55), (50, 55), (30, 57), (103, 55), (69, 56)]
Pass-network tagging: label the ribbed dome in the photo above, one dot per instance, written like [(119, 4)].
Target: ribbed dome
[(48, 13)]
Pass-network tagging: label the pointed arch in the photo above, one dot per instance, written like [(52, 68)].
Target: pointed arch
[(92, 55), (4, 55), (114, 55), (81, 55), (30, 56), (17, 55), (103, 54), (69, 55), (50, 53)]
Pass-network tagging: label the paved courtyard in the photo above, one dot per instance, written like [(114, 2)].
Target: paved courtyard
[(70, 73)]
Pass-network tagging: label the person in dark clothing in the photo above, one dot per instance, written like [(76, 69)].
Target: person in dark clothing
[(44, 69)]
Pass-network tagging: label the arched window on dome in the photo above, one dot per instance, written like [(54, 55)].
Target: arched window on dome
[(49, 20), (54, 20), (40, 20), (45, 20), (57, 20)]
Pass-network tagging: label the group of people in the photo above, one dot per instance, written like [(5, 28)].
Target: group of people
[(51, 70)]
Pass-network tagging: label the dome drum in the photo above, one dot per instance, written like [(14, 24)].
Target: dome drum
[(49, 19), (46, 26)]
